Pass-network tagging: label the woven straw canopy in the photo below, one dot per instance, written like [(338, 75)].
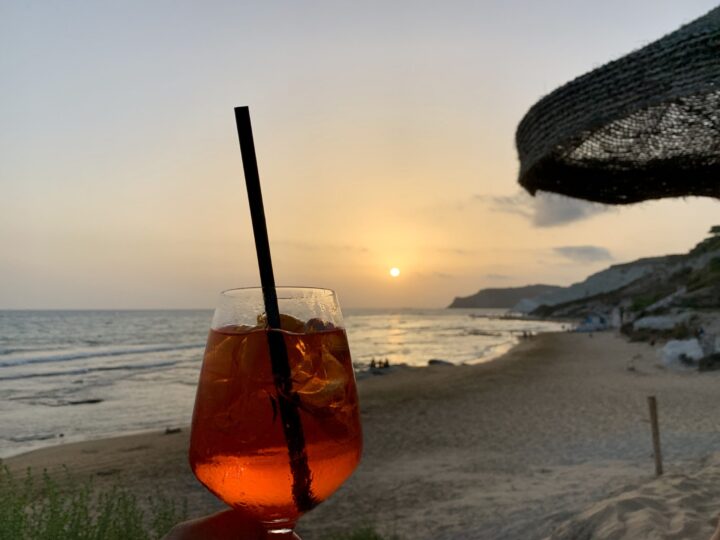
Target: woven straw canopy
[(645, 126)]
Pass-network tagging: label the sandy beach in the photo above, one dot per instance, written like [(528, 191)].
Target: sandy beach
[(550, 441)]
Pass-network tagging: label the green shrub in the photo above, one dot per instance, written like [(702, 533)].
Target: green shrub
[(644, 301), (705, 277), (364, 533), (32, 510), (681, 331), (709, 244)]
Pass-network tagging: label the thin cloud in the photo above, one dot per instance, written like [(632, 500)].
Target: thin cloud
[(426, 275), (305, 246), (584, 254), (498, 277), (545, 209), (454, 251)]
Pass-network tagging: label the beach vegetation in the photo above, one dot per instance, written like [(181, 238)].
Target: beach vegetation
[(707, 276), (39, 507), (362, 533), (682, 331), (711, 243), (43, 509), (643, 301)]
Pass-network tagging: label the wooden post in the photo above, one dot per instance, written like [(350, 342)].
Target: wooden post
[(652, 404)]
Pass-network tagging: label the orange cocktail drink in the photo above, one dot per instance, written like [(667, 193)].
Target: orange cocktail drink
[(238, 449)]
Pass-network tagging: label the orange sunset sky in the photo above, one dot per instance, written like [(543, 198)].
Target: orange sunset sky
[(384, 133)]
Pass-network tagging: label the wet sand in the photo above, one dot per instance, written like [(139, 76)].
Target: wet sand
[(550, 441)]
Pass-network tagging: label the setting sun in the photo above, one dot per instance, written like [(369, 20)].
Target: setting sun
[(394, 272)]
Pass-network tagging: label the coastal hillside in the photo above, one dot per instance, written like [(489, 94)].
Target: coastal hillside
[(502, 298), (653, 286), (670, 297), (611, 279)]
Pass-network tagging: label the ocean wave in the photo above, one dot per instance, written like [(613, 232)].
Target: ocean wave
[(83, 371), (477, 332), (33, 437), (11, 350), (60, 356)]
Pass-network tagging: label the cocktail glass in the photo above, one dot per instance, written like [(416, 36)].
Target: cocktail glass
[(239, 448)]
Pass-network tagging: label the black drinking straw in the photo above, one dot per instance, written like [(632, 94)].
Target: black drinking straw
[(289, 414)]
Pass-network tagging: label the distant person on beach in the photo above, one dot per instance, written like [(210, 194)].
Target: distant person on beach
[(372, 364)]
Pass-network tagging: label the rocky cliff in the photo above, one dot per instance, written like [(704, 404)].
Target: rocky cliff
[(655, 285), (502, 298), (647, 286)]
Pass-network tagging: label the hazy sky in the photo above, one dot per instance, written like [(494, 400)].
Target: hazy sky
[(384, 132)]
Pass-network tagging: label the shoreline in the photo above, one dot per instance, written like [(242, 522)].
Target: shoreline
[(514, 448), (103, 381), (363, 371)]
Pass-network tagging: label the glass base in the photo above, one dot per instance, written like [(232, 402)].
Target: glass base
[(281, 534), (280, 529)]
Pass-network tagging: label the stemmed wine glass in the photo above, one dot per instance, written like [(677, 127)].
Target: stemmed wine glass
[(269, 449)]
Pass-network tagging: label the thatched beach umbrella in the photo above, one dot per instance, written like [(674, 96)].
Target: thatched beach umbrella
[(645, 126)]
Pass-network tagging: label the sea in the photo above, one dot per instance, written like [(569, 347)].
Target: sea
[(68, 376)]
